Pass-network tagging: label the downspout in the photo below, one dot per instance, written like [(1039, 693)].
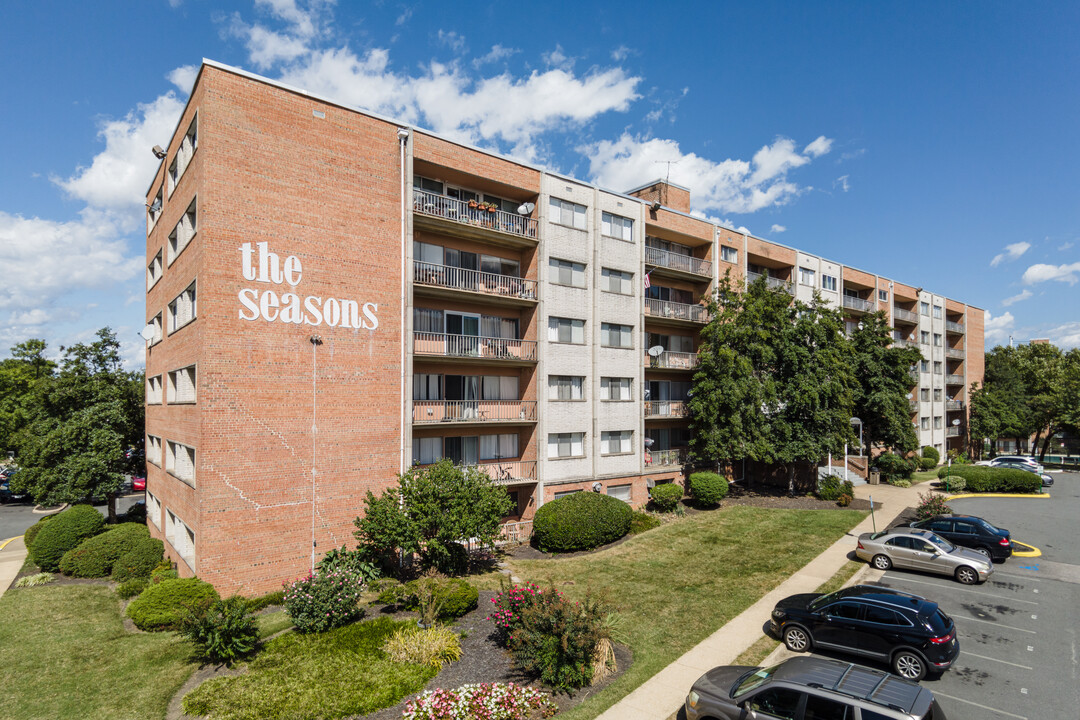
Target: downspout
[(403, 141)]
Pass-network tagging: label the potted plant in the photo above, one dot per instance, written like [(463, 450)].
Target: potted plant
[(491, 208), (473, 204)]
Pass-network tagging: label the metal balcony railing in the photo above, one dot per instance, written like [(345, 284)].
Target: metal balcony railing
[(675, 311), (858, 304), (429, 203), (472, 346), (952, 432), (455, 278), (775, 283), (954, 353), (506, 471), (954, 379), (676, 261), (954, 404), (905, 315), (515, 532), (473, 411), (954, 327), (665, 458), (665, 408), (673, 361)]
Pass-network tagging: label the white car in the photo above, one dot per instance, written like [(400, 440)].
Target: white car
[(1022, 459)]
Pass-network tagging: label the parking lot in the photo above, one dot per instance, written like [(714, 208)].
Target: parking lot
[(1019, 646)]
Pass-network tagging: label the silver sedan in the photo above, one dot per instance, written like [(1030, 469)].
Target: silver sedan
[(915, 549)]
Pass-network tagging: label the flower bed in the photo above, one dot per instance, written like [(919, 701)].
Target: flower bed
[(491, 701)]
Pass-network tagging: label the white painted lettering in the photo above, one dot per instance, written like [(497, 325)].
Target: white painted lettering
[(268, 305), (369, 312), (311, 304), (249, 270), (247, 299), (293, 270), (291, 312), (332, 312), (350, 314), (269, 265)]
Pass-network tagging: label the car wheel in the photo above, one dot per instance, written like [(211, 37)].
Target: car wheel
[(909, 666), (982, 551), (967, 575), (882, 562), (797, 639)]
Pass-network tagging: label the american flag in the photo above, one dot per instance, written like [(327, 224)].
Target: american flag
[(647, 283)]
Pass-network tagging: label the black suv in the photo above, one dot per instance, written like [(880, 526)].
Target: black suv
[(971, 532), (909, 632)]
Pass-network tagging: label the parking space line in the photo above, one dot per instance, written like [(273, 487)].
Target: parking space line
[(994, 622), (998, 573), (1004, 662), (902, 578), (984, 707)]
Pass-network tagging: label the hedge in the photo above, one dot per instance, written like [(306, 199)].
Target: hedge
[(95, 556), (983, 479), (666, 497), (454, 596), (64, 533), (581, 521), (139, 560), (707, 488), (929, 451), (163, 606), (33, 530), (832, 487)]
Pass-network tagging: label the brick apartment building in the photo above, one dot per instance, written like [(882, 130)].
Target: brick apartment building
[(334, 296)]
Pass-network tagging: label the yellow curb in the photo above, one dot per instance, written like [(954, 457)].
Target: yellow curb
[(1001, 495), (1033, 552), (5, 543)]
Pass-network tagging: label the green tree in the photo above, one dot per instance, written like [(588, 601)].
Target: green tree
[(883, 383), (26, 367)]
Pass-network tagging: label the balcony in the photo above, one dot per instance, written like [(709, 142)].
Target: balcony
[(675, 261), (774, 283), (450, 214), (954, 353), (436, 279), (954, 327), (675, 311), (665, 458), (472, 347), (505, 472), (665, 409), (473, 411), (913, 405), (858, 305), (953, 405), (900, 342), (952, 432), (905, 316), (954, 379), (672, 361)]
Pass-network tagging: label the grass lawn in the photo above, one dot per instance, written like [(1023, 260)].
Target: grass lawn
[(677, 584), (921, 476), (65, 654), (275, 622)]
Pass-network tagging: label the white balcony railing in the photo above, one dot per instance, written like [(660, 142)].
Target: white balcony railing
[(675, 261), (458, 211), (665, 458), (672, 361), (954, 404), (665, 408), (954, 353), (456, 278), (954, 327), (905, 315), (954, 379), (506, 471), (858, 304), (675, 311), (473, 411), (775, 283), (472, 346)]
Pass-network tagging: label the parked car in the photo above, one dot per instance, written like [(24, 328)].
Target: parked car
[(906, 631), (6, 495), (970, 532), (138, 483), (1046, 479), (808, 688), (1023, 459), (914, 549)]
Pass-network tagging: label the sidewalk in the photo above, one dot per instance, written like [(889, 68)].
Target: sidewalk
[(12, 557), (662, 695)]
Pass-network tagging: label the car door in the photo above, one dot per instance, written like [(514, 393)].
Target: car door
[(900, 550), (964, 533), (881, 631), (838, 625), (774, 702)]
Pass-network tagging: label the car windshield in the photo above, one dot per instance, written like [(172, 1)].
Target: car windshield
[(985, 525), (822, 600), (940, 542), (752, 679)]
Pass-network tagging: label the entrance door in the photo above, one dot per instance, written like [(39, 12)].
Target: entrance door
[(463, 450), (462, 396)]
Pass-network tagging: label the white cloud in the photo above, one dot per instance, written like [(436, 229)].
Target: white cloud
[(1041, 272), (819, 147), (1066, 336), (851, 155), (183, 77), (1024, 295), (404, 17), (1012, 252), (452, 40), (620, 53), (842, 183), (997, 328), (557, 58), (1065, 246), (497, 53), (778, 229)]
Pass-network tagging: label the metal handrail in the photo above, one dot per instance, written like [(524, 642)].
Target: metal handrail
[(673, 361), (665, 458), (954, 404), (439, 411), (516, 532), (906, 315), (952, 432), (677, 261), (436, 205), (772, 282), (854, 303), (455, 278), (473, 346), (676, 311), (505, 471), (666, 408)]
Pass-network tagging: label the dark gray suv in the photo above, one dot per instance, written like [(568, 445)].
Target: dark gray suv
[(808, 688)]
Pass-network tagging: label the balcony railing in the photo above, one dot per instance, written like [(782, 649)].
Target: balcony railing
[(954, 353), (954, 379), (675, 261), (775, 283), (673, 361), (675, 311), (515, 532), (901, 342), (473, 411), (456, 278), (858, 304), (952, 432), (665, 458), (449, 208), (954, 404), (665, 408), (472, 346), (506, 471), (954, 327), (905, 315)]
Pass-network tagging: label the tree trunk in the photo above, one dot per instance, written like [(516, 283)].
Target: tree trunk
[(112, 508), (1035, 441), (791, 480), (1046, 443)]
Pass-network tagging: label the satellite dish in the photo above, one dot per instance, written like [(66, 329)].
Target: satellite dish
[(656, 351), (649, 442), (155, 206), (526, 208), (148, 333), (597, 487)]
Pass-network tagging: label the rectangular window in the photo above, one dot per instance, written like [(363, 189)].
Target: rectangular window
[(883, 295), (924, 308), (153, 510), (617, 227), (618, 336), (616, 281), (153, 211), (495, 265), (565, 493), (566, 445), (924, 366), (924, 394), (616, 442), (806, 276), (937, 339), (566, 330), (924, 423), (182, 309), (565, 272), (937, 394), (616, 389), (565, 387), (153, 390), (924, 337), (153, 271), (427, 386), (567, 213), (423, 183), (937, 367), (937, 312), (153, 450), (184, 154), (184, 231), (182, 385), (828, 282), (620, 492), (937, 422), (155, 323), (729, 254), (180, 461), (181, 537), (427, 450), (498, 447)]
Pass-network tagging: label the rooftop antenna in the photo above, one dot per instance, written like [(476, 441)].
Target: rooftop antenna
[(667, 178)]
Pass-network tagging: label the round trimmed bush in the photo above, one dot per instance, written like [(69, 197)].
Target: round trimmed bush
[(832, 487), (666, 497), (65, 532), (582, 521), (707, 488), (139, 560), (927, 463), (165, 605), (929, 451), (893, 467), (33, 530), (96, 556), (900, 482)]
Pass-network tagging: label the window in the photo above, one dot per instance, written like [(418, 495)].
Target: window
[(565, 493), (881, 616), (565, 387), (153, 271), (498, 447), (618, 336), (937, 394), (616, 442), (182, 385), (883, 295), (937, 422), (924, 423), (937, 312), (565, 272), (491, 264), (566, 330), (153, 211), (181, 537), (806, 276), (671, 343), (844, 610), (180, 462), (729, 254), (613, 388), (924, 366), (566, 445), (617, 227), (153, 510), (427, 450), (427, 386), (428, 184), (937, 339), (616, 281), (924, 337), (155, 323), (184, 154), (924, 308), (620, 492), (153, 450), (182, 309), (153, 390), (819, 708), (937, 367), (183, 232), (924, 394), (567, 213), (776, 702), (828, 282)]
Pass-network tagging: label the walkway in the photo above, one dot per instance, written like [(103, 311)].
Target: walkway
[(12, 557)]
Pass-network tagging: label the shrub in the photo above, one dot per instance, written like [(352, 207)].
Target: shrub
[(135, 514), (900, 483), (707, 488), (931, 452), (642, 521), (95, 556), (353, 562), (954, 483), (323, 601), (163, 606), (423, 646), (581, 521), (221, 630), (41, 578), (926, 463), (666, 497), (444, 597), (33, 530), (893, 467), (163, 571), (64, 533), (493, 701), (139, 561), (277, 597), (982, 479), (832, 487), (844, 500), (131, 588), (931, 505)]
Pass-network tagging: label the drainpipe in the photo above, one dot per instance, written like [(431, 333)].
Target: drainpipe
[(403, 141)]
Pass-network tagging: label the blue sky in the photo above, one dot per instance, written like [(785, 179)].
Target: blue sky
[(932, 142)]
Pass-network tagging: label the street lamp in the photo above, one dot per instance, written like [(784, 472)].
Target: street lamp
[(857, 421)]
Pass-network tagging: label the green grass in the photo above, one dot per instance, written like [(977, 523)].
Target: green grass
[(65, 654), (328, 675), (270, 623), (921, 476), (676, 585)]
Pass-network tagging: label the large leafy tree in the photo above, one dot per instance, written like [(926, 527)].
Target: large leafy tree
[(883, 382), (26, 367)]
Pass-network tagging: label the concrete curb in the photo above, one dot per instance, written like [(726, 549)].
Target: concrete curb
[(12, 556), (1030, 496)]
